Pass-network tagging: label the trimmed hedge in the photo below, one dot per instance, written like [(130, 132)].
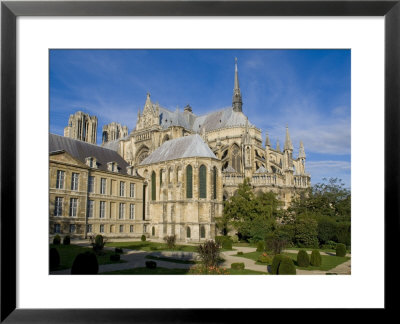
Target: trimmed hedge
[(303, 260), (275, 263), (151, 264), (119, 250), (85, 263), (224, 241), (143, 238), (54, 259), (115, 257), (340, 250), (286, 267), (66, 240), (315, 259), (260, 246), (57, 240), (238, 266), (264, 258)]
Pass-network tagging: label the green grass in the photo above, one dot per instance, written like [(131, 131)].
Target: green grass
[(320, 250), (165, 271), (152, 257), (69, 252), (328, 262)]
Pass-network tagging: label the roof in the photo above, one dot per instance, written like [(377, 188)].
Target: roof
[(229, 169), (81, 150), (261, 169), (183, 147)]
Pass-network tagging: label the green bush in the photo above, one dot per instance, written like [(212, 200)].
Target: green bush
[(315, 259), (240, 253), (227, 244), (260, 246), (275, 263), (286, 267), (238, 266), (85, 263), (66, 240), (329, 245), (220, 239), (115, 257), (118, 250), (151, 264), (235, 238), (340, 250), (98, 243), (57, 240), (303, 260), (54, 258), (264, 258), (143, 238)]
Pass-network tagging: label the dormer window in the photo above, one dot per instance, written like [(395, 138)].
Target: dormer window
[(112, 166), (91, 162), (129, 170)]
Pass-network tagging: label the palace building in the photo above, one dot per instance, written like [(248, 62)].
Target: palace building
[(188, 164)]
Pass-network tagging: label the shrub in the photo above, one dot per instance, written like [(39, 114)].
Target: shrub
[(57, 240), (340, 250), (276, 242), (329, 245), (235, 238), (143, 238), (220, 239), (264, 258), (260, 246), (151, 264), (66, 240), (303, 260), (115, 257), (240, 253), (238, 266), (119, 250), (275, 263), (227, 244), (306, 232), (286, 267), (209, 253), (315, 259), (170, 241), (97, 242), (85, 263), (201, 269), (54, 258)]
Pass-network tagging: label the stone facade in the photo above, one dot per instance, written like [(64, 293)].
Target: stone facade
[(82, 127), (113, 131), (93, 194)]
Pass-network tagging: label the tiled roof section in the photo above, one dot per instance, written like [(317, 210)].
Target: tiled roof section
[(229, 169), (226, 117), (261, 170), (81, 150), (183, 147)]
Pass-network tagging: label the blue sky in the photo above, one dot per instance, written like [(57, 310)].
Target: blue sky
[(309, 90)]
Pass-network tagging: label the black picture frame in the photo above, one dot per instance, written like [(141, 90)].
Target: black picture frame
[(10, 10)]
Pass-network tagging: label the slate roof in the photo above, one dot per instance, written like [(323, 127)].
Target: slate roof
[(229, 169), (261, 169), (183, 147), (81, 150)]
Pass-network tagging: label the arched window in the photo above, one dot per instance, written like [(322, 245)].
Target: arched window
[(153, 231), (215, 182), (236, 157), (153, 186), (188, 232), (202, 232), (189, 182), (202, 182)]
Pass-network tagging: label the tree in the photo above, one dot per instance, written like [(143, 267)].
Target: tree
[(306, 233), (253, 216)]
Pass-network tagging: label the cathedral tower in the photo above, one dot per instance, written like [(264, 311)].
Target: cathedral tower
[(237, 96)]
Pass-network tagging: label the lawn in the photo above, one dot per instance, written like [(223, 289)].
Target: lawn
[(69, 252), (152, 257), (328, 262), (165, 271)]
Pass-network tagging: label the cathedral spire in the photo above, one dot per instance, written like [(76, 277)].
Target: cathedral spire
[(288, 142), (302, 153), (237, 97), (267, 141), (278, 148)]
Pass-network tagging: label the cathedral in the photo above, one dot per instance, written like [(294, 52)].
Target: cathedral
[(190, 164)]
